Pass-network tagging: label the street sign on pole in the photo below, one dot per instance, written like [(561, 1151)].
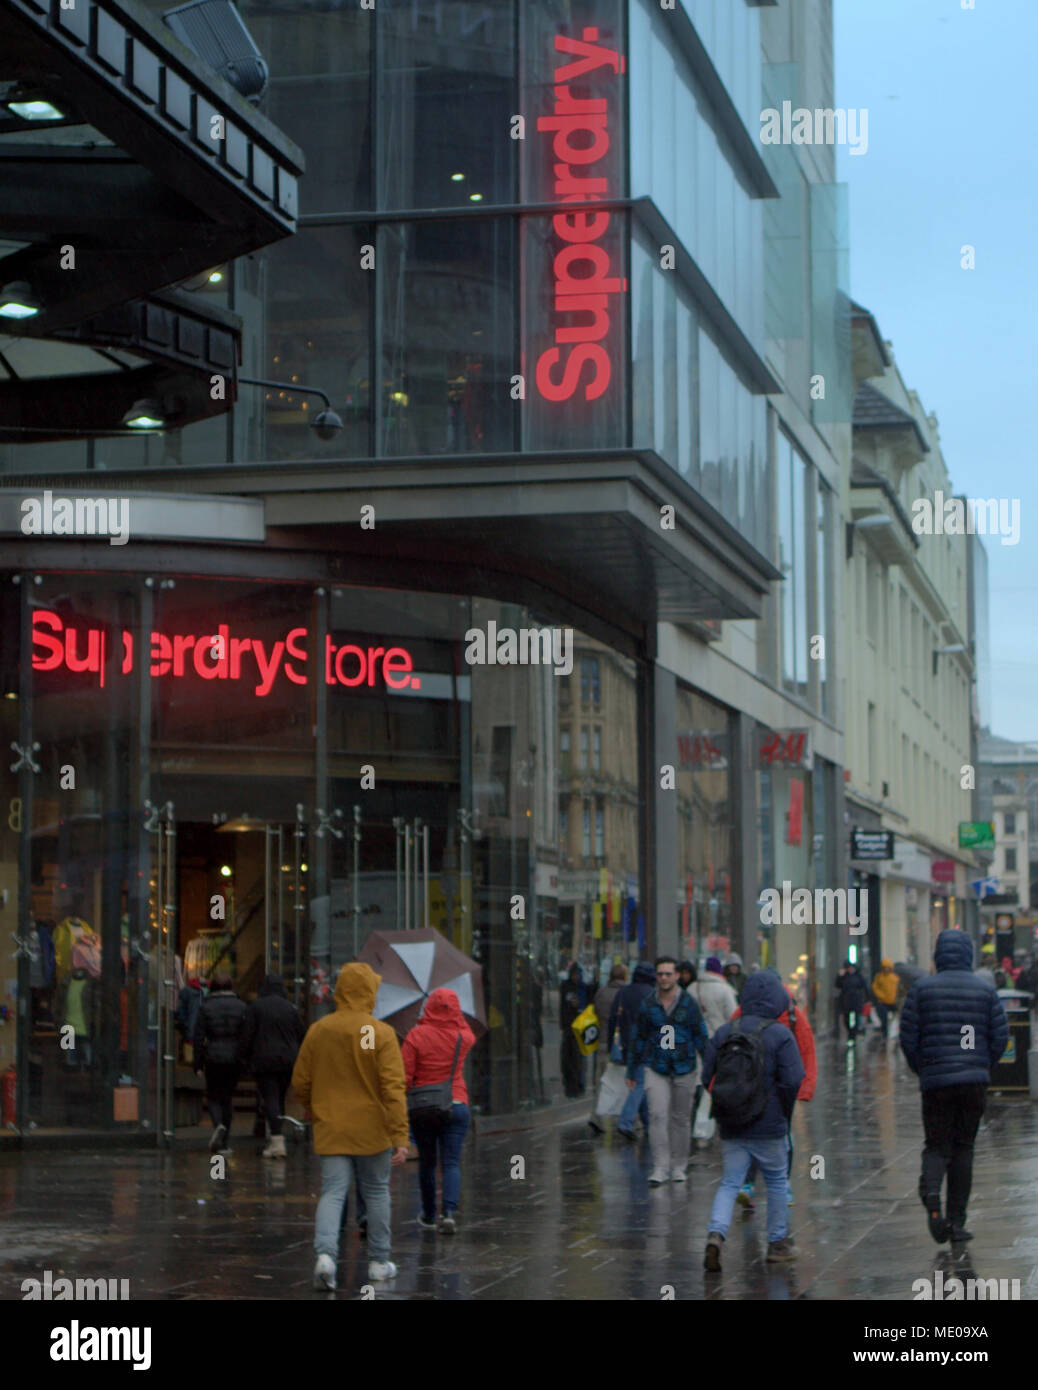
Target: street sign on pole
[(984, 887)]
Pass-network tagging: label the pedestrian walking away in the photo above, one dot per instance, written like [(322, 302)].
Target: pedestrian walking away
[(350, 1075), (884, 991), (218, 1027), (851, 995), (622, 1020), (753, 1070), (604, 1001), (796, 1021), (942, 1014), (270, 1039), (434, 1052), (733, 973), (573, 1000), (669, 1036)]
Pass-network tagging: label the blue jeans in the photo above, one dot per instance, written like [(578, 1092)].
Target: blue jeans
[(884, 1011), (448, 1139), (736, 1157), (636, 1104), (372, 1172)]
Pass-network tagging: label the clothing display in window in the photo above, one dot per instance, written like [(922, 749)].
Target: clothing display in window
[(67, 935), (76, 1002), (208, 951)]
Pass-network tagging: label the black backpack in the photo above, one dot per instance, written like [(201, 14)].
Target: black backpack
[(739, 1092)]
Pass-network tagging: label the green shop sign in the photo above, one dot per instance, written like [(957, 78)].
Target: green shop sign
[(975, 834)]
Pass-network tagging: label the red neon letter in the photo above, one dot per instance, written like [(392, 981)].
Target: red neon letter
[(43, 617), (583, 352), (298, 652), (397, 660)]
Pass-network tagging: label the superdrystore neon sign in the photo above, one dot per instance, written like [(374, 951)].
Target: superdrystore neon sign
[(219, 656), (585, 285)]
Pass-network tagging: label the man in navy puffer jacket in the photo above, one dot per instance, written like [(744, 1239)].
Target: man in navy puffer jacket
[(953, 1031)]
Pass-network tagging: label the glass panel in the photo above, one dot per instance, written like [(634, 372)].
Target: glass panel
[(318, 313), (446, 95), (320, 90), (704, 889), (448, 351)]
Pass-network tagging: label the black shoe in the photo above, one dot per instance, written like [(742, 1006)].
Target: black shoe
[(593, 1124), (940, 1229), (958, 1234), (627, 1134), (712, 1254)]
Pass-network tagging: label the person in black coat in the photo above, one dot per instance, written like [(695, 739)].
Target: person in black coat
[(953, 1031), (851, 995), (268, 1046), (221, 1018), (573, 1000)]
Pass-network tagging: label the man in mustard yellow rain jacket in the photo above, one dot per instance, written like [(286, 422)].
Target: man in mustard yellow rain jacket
[(884, 991), (350, 1075)]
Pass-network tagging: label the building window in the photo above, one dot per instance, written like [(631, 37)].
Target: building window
[(792, 484), (600, 830), (596, 744), (1009, 822), (870, 752), (585, 840), (1010, 861), (564, 752), (564, 824), (501, 769), (583, 749), (590, 686)]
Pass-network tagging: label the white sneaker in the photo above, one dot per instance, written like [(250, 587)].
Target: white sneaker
[(382, 1269), (658, 1176), (324, 1273), (678, 1175)]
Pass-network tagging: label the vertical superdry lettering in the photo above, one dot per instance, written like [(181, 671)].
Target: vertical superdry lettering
[(582, 271)]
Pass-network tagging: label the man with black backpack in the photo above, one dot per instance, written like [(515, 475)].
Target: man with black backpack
[(753, 1071), (669, 1033)]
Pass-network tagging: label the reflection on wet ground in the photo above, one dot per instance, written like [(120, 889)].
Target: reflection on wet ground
[(581, 1224)]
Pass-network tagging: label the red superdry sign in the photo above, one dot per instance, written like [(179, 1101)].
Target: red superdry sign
[(585, 277), (220, 655)]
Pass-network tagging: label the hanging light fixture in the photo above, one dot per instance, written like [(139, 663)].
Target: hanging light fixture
[(17, 301), (145, 414)]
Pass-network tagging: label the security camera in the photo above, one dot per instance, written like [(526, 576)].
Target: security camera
[(327, 424)]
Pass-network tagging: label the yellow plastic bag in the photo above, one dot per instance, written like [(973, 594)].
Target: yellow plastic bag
[(586, 1029)]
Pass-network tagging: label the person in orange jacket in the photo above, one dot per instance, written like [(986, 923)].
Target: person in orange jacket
[(884, 991), (796, 1021)]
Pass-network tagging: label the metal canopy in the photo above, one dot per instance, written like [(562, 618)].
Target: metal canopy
[(165, 200)]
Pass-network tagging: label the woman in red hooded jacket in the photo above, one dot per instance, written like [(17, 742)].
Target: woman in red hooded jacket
[(429, 1051)]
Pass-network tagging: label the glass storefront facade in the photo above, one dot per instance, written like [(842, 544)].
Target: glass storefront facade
[(257, 776), (704, 775)]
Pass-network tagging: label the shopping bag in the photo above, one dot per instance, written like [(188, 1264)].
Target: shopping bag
[(586, 1030), (705, 1123), (612, 1090)]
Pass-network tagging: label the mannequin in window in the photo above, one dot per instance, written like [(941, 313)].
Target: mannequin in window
[(77, 996)]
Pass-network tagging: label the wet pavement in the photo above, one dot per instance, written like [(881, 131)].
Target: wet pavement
[(582, 1223)]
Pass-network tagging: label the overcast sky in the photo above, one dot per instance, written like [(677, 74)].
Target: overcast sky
[(951, 160)]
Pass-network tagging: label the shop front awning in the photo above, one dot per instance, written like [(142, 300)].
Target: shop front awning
[(581, 536), (126, 164)]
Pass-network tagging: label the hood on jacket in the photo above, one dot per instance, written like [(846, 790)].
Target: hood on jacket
[(886, 964), (734, 959), (272, 984), (954, 951), (356, 987), (644, 974), (764, 995), (444, 1007)]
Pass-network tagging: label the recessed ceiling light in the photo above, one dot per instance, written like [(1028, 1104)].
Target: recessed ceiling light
[(457, 178), (35, 110), (144, 415), (17, 301), (475, 197), (215, 276)]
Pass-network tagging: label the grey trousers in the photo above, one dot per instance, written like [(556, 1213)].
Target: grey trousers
[(372, 1172), (670, 1109)]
